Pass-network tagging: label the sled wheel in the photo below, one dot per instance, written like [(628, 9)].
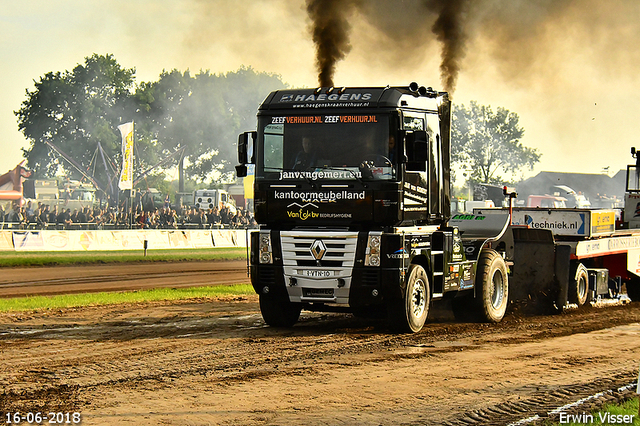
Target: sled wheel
[(579, 287)]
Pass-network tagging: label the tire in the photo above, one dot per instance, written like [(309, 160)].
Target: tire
[(492, 286), (279, 312), (579, 287), (633, 290), (409, 314)]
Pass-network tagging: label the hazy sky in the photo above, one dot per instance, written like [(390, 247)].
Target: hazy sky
[(569, 69)]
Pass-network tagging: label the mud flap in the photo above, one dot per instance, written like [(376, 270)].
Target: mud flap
[(562, 271), (540, 272)]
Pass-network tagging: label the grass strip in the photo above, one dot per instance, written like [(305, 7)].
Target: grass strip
[(33, 303), (609, 415), (29, 259)]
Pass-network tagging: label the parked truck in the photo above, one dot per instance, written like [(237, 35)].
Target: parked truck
[(352, 197), (66, 194), (211, 198)]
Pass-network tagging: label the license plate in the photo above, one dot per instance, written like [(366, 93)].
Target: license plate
[(315, 273), (317, 292)]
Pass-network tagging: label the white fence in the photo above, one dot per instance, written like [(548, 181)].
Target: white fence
[(50, 240)]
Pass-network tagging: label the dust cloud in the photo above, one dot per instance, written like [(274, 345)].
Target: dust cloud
[(568, 68)]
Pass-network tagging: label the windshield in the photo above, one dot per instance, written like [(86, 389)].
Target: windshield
[(326, 147)]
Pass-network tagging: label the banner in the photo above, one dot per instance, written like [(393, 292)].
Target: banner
[(6, 240), (125, 239), (126, 177)]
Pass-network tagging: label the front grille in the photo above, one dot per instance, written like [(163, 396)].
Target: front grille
[(340, 248), (324, 262)]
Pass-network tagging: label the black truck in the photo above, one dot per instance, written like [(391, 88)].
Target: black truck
[(352, 195)]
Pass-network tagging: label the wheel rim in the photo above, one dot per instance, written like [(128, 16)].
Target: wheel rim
[(582, 287), (418, 302), (497, 290)]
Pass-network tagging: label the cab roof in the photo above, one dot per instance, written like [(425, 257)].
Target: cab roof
[(411, 96)]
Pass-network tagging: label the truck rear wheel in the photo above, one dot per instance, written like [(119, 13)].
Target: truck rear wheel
[(409, 314), (492, 286), (279, 312), (579, 287)]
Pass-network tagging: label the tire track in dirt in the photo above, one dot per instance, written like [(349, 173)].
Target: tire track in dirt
[(214, 361), (540, 406), (224, 343)]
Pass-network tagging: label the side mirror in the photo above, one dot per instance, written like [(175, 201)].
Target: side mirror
[(245, 152), (244, 146)]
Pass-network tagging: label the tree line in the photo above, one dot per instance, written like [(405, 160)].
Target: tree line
[(197, 116), (197, 119)]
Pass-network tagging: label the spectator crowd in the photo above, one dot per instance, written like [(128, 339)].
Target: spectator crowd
[(44, 216)]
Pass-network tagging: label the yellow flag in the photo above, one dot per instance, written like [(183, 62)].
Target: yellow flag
[(248, 186), (126, 176)]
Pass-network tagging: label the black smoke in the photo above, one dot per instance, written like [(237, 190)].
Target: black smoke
[(449, 30), (406, 31), (330, 31)]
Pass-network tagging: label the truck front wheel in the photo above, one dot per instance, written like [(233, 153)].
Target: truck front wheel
[(409, 314), (492, 286), (279, 312)]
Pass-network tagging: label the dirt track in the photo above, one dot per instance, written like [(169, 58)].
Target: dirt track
[(214, 362), (15, 282)]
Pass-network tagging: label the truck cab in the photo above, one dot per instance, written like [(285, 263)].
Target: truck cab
[(352, 158), (352, 198), (212, 198)]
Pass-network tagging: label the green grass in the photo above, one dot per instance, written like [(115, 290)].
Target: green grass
[(629, 407), (24, 259), (110, 298)]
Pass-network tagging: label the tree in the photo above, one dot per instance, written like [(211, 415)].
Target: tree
[(76, 111), (488, 143), (199, 116), (204, 115)]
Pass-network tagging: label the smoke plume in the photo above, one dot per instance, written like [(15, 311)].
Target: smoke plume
[(330, 30), (448, 29)]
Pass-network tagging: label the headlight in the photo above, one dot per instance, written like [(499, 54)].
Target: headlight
[(265, 248), (372, 253)]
